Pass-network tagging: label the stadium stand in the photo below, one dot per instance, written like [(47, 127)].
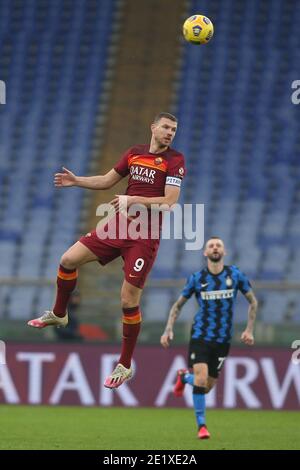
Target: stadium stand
[(238, 129), (53, 57), (240, 133)]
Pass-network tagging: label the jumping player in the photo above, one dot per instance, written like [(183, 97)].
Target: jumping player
[(155, 174)]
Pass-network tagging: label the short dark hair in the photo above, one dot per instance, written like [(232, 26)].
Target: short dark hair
[(165, 115), (213, 238)]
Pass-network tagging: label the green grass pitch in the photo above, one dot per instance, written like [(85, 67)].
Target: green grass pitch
[(30, 427)]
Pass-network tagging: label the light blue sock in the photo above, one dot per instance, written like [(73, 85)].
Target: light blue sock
[(188, 378), (199, 406)]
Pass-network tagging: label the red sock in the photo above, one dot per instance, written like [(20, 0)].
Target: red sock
[(131, 327), (66, 282)]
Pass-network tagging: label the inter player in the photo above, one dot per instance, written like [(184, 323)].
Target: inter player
[(215, 288), (155, 174)]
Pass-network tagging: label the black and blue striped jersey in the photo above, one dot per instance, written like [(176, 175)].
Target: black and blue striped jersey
[(216, 296)]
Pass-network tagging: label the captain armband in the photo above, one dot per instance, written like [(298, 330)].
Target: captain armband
[(173, 181)]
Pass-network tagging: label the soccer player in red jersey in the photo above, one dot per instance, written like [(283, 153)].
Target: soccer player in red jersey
[(155, 173)]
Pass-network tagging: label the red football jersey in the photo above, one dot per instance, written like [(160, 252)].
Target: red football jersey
[(150, 172)]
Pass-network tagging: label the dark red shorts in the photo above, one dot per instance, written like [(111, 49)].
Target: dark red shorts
[(138, 255)]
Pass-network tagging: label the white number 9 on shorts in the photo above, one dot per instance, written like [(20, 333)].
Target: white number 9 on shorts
[(139, 264)]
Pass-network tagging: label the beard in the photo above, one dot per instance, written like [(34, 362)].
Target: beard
[(164, 141), (215, 257)]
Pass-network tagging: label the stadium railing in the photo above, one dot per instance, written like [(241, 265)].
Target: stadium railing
[(278, 318)]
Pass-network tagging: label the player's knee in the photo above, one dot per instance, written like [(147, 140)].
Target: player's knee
[(200, 380), (127, 301), (67, 261), (129, 298)]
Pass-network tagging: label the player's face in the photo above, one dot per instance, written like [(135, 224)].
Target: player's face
[(164, 131), (215, 250)]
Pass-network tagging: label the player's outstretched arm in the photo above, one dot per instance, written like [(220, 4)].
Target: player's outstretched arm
[(68, 179), (247, 336), (168, 334)]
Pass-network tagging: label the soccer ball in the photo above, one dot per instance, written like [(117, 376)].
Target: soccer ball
[(198, 29)]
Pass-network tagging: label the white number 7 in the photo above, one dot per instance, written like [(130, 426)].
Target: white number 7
[(221, 362)]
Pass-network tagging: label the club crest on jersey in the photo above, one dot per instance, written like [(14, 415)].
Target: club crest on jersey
[(158, 161), (181, 171), (228, 281)]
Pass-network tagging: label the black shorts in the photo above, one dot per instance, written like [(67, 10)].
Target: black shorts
[(208, 352)]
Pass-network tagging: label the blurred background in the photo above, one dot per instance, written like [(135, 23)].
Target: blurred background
[(84, 79)]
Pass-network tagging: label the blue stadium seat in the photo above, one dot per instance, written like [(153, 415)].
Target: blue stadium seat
[(240, 134), (53, 59)]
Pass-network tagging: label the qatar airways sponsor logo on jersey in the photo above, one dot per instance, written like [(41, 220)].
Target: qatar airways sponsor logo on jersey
[(142, 174), (217, 294)]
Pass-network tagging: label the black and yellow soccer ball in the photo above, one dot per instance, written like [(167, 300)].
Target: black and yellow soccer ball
[(198, 29)]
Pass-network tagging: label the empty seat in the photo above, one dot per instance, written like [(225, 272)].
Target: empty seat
[(55, 85)]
